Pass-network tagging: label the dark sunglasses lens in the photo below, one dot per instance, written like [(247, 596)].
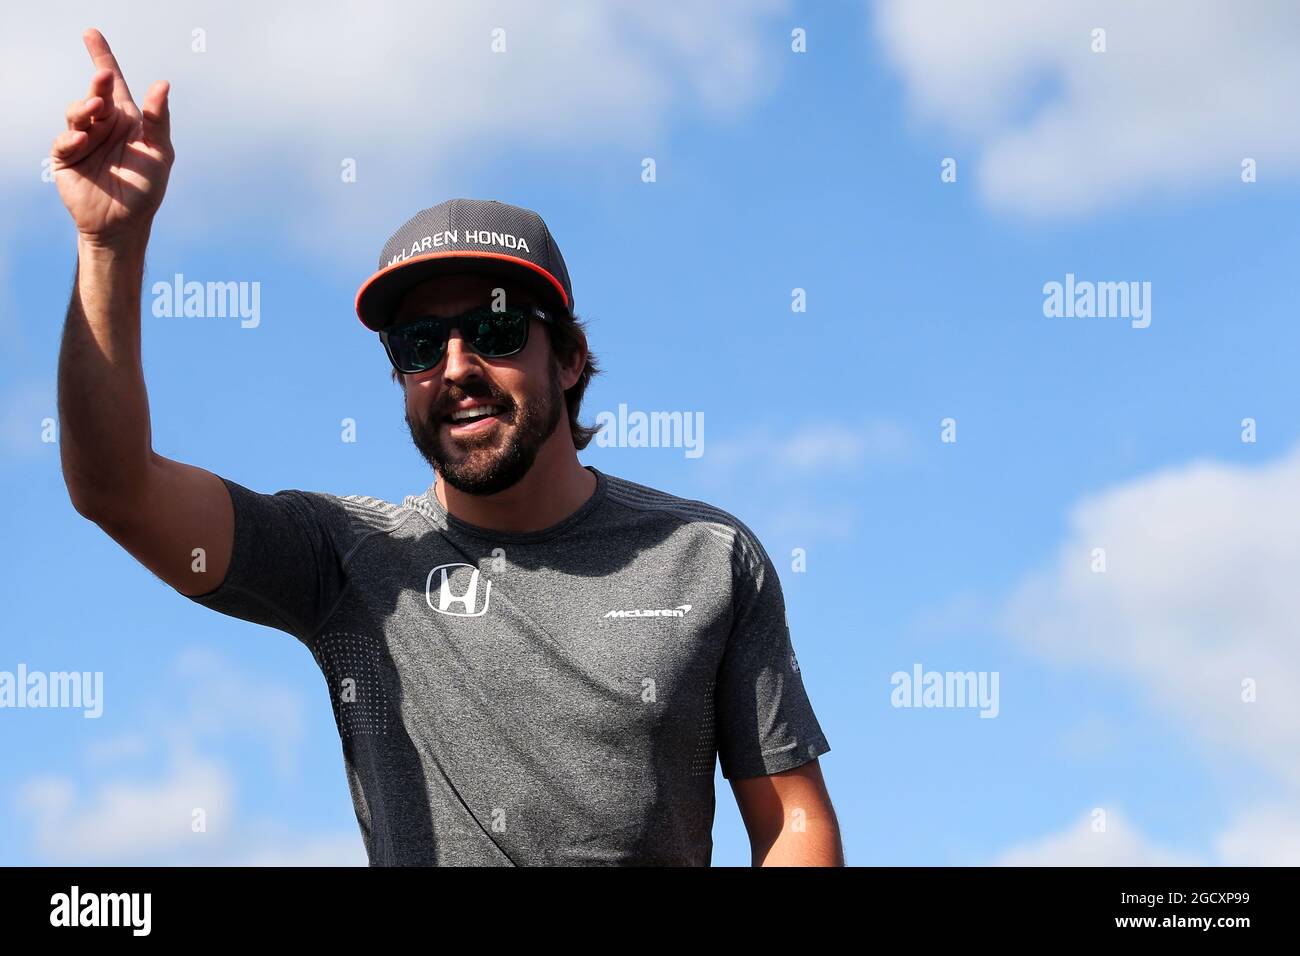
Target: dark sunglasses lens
[(418, 346), (495, 334)]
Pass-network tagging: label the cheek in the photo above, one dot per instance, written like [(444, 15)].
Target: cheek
[(524, 385), (419, 400), (533, 375)]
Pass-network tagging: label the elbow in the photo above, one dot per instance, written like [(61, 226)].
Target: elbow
[(105, 497), (95, 504), (90, 506), (83, 502)]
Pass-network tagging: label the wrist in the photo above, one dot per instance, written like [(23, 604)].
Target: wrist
[(130, 245)]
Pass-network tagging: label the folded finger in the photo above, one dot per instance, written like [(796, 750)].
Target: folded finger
[(101, 84), (69, 146), (81, 112)]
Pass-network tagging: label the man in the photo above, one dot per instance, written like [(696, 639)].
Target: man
[(532, 662)]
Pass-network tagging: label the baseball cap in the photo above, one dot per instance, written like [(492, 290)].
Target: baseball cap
[(484, 236)]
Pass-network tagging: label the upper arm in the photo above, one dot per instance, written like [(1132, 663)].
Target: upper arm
[(763, 801), (269, 559), (796, 799), (181, 528), (765, 720)]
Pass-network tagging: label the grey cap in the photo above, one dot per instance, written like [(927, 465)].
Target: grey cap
[(465, 235)]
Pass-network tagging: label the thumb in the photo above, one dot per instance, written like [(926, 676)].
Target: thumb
[(156, 109)]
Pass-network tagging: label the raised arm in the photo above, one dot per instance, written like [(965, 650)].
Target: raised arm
[(111, 166)]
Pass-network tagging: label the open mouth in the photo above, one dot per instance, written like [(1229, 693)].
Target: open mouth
[(476, 419)]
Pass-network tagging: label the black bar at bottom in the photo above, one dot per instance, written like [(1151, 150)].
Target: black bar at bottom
[(215, 905)]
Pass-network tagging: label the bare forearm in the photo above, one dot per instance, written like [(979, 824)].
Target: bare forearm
[(105, 440), (790, 819), (813, 842)]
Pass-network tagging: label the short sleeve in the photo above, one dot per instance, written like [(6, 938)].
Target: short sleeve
[(765, 721), (285, 571)]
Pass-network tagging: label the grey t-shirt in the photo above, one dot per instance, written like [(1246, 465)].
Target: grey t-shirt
[(549, 697)]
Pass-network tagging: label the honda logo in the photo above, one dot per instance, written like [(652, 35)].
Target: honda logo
[(467, 599)]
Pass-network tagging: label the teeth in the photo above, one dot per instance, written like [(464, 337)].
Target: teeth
[(476, 410)]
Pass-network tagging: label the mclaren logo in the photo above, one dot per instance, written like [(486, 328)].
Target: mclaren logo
[(678, 611), (438, 593)]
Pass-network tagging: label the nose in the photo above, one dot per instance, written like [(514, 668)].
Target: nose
[(460, 359)]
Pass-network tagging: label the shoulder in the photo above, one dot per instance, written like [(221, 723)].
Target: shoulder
[(698, 517), (350, 520)]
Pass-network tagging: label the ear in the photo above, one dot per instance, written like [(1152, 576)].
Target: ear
[(571, 369)]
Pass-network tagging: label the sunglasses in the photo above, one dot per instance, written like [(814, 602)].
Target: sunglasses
[(420, 344)]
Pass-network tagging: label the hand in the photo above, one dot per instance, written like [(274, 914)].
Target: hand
[(112, 162)]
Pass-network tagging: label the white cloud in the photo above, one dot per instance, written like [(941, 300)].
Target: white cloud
[(797, 458), (800, 452), (220, 700), (1185, 90), (1119, 844), (119, 814), (342, 850), (149, 822), (412, 91), (1264, 836), (127, 819), (1267, 837), (1198, 594)]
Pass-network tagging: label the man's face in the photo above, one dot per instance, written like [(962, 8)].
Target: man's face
[(492, 454)]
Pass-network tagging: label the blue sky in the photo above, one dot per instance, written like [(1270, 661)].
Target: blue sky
[(1119, 691)]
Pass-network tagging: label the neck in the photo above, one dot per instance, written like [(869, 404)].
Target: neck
[(555, 487)]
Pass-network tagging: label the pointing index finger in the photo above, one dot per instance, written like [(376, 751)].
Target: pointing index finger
[(103, 58)]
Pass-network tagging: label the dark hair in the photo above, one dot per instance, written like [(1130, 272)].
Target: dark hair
[(567, 334)]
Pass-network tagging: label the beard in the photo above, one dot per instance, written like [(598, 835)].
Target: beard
[(487, 464)]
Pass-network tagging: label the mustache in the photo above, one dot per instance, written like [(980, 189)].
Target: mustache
[(485, 396)]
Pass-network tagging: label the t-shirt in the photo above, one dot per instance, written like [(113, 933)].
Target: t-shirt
[(554, 697)]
